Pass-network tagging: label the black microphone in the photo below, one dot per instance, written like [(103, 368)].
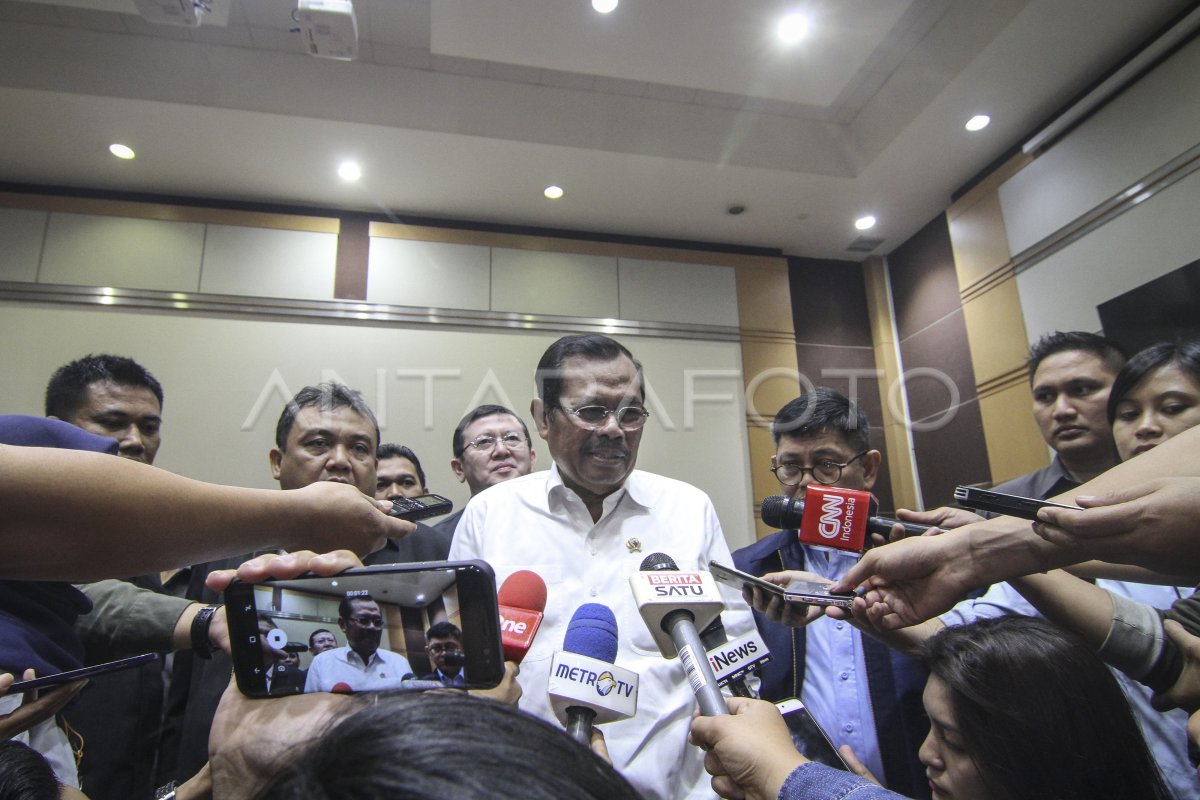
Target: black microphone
[(786, 513), (671, 605)]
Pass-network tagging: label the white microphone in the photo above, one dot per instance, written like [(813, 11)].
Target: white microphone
[(673, 605), (586, 687)]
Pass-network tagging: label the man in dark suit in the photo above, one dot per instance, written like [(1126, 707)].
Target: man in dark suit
[(443, 643)]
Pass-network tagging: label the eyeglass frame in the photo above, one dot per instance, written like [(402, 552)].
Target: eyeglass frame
[(441, 647), (813, 471), (614, 413), (473, 444), (376, 621)]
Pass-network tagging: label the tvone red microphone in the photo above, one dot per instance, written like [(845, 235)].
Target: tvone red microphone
[(522, 600)]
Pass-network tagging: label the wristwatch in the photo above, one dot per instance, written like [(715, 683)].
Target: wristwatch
[(201, 645)]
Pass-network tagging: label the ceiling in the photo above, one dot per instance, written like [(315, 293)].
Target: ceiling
[(655, 119)]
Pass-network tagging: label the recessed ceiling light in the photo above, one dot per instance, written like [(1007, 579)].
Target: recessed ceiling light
[(604, 6), (792, 28), (865, 223), (553, 192), (978, 122), (121, 151), (349, 171)]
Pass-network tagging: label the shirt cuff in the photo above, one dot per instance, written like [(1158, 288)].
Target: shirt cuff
[(1135, 639)]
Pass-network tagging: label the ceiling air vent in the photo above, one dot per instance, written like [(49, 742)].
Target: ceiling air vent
[(864, 244)]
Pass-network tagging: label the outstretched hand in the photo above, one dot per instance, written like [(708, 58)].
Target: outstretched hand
[(749, 752)]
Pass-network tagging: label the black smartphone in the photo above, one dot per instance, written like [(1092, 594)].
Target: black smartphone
[(1012, 505), (806, 592), (418, 508), (809, 737), (367, 627), (84, 672)]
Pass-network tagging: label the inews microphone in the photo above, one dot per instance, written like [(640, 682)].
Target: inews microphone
[(732, 661), (585, 687), (522, 599), (831, 506), (673, 604)]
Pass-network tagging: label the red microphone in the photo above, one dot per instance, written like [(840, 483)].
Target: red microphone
[(341, 687), (835, 518), (522, 600)]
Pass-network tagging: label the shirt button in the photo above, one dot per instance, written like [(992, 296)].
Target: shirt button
[(845, 676), (848, 728), (595, 591), (841, 625)]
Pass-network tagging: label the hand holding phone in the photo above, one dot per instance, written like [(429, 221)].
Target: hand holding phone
[(412, 509), (1012, 505), (797, 592)]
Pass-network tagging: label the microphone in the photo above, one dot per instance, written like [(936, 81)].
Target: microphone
[(522, 599), (732, 661), (787, 513), (673, 604), (341, 687), (586, 687)]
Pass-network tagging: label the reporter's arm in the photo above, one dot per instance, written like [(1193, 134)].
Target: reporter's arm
[(157, 520)]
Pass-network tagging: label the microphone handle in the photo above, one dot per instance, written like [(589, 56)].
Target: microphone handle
[(579, 724), (681, 624), (738, 688), (883, 525)]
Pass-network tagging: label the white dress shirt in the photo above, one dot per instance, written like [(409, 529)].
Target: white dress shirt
[(536, 523), (343, 665)]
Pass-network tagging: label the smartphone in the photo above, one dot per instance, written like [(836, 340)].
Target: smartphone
[(806, 592), (999, 503), (808, 736), (418, 508), (380, 614), (84, 672)]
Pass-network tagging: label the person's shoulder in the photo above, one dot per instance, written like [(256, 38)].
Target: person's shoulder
[(762, 548), (501, 492), (652, 481)]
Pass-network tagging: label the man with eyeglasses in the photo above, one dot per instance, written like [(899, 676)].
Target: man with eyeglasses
[(443, 643), (585, 525), (362, 665), (491, 445), (863, 693)]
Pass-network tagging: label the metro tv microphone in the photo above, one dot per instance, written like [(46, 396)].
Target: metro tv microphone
[(522, 599), (673, 604), (585, 686), (830, 506)]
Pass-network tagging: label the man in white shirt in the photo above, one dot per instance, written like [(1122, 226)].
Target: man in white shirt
[(362, 665), (585, 526)]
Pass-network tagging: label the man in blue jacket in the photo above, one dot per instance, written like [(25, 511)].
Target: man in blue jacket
[(859, 690)]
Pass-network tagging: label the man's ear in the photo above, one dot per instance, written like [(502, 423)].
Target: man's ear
[(870, 463), (538, 409), (276, 461), (532, 458), (457, 467)]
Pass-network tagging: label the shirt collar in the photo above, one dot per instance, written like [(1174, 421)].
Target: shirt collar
[(635, 491)]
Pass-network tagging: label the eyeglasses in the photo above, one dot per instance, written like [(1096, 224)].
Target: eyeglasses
[(629, 418), (827, 472), (368, 621), (485, 443), (449, 647)]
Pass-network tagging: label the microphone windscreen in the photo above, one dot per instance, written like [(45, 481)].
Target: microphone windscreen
[(523, 589), (592, 632), (781, 511), (658, 561), (341, 687)]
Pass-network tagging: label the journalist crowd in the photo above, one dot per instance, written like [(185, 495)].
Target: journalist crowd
[(976, 656)]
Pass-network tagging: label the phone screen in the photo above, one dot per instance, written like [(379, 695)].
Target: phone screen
[(365, 630), (808, 736)]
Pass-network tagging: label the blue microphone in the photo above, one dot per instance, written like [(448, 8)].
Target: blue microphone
[(586, 687)]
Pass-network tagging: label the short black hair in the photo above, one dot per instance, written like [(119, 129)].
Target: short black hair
[(313, 635), (1184, 354), (392, 450), (25, 774), (67, 390), (327, 397), (443, 630), (346, 607), (821, 411), (1108, 351), (592, 346), (504, 752), (479, 412)]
